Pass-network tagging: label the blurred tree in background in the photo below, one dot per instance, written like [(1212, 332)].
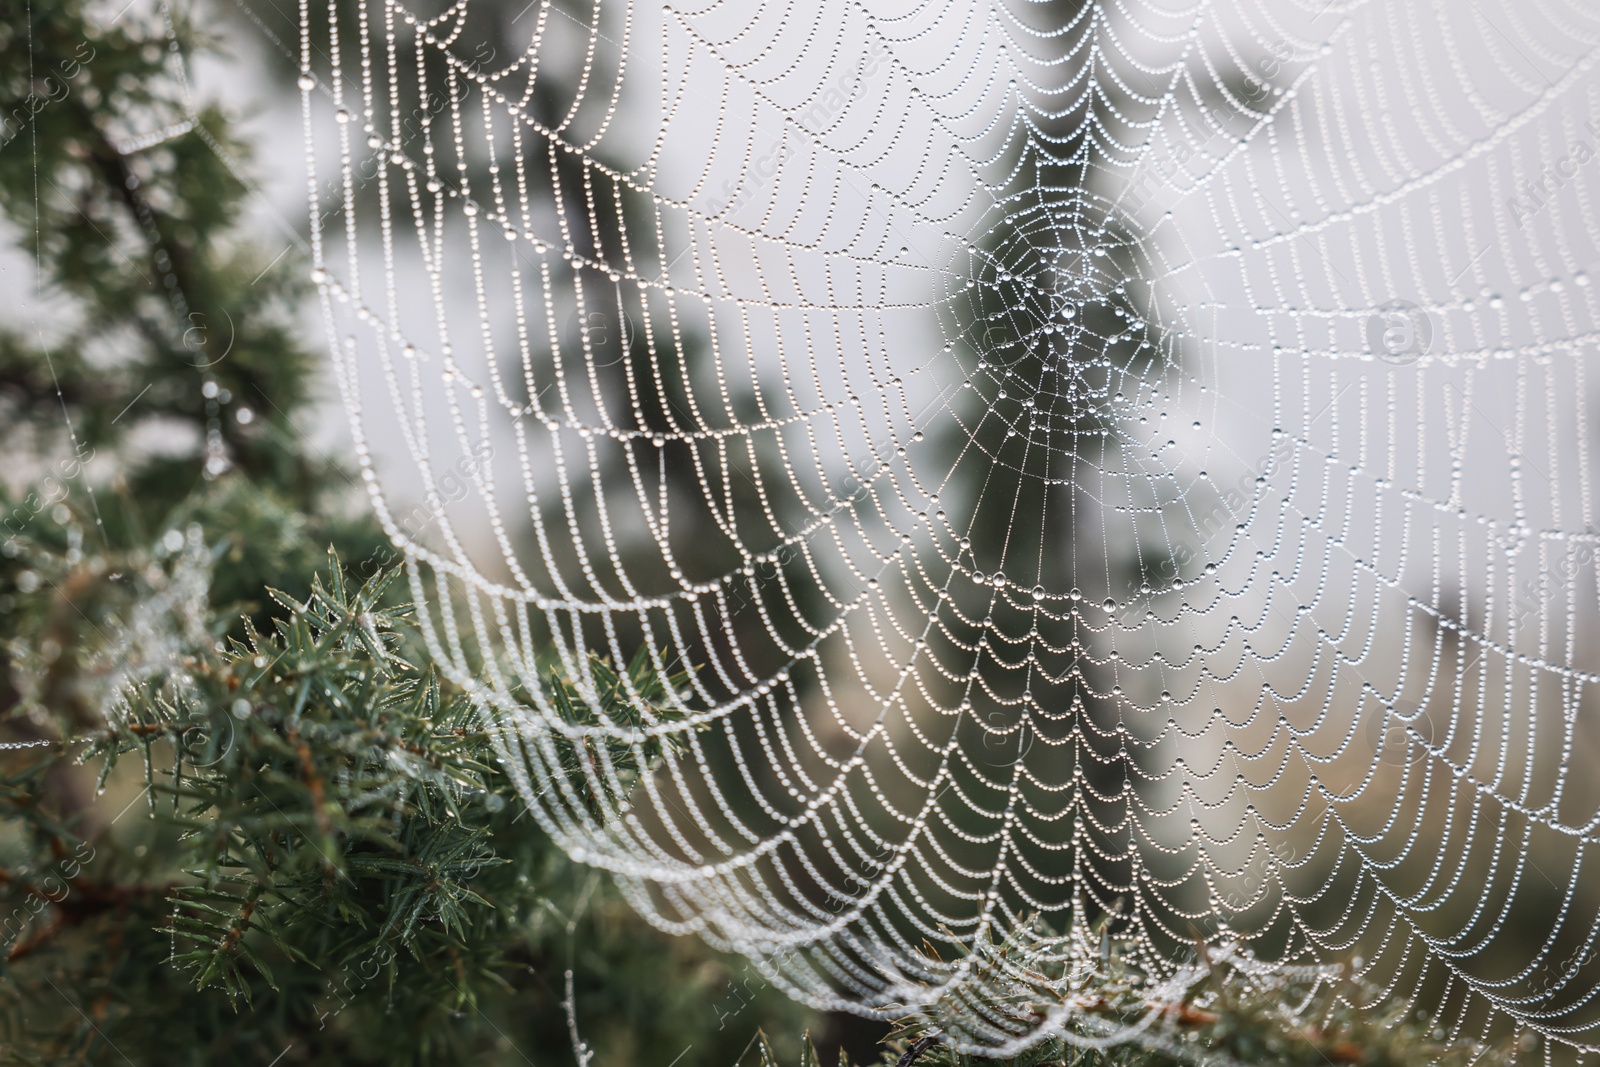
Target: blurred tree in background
[(241, 820)]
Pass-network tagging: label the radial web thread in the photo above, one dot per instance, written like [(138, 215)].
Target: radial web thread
[(1080, 463)]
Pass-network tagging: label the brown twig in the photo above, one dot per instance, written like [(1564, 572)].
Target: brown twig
[(241, 924), (22, 948), (918, 1047), (313, 782)]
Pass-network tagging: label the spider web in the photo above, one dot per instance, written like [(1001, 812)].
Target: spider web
[(1082, 466)]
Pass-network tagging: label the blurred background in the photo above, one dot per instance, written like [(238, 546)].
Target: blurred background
[(1118, 467)]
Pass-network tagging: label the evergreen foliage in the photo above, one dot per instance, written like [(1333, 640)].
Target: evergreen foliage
[(202, 859)]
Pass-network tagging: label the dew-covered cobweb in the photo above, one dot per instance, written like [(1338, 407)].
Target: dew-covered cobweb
[(1075, 466)]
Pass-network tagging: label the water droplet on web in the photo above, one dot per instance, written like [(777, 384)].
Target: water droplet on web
[(729, 555)]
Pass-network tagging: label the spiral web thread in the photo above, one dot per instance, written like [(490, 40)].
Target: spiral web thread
[(1095, 463)]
